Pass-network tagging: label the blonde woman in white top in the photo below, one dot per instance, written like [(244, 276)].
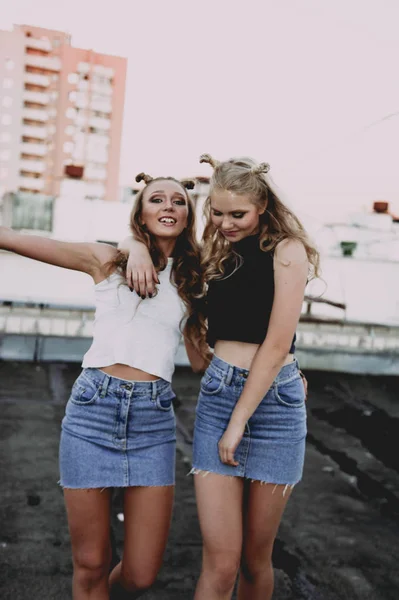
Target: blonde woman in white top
[(119, 425)]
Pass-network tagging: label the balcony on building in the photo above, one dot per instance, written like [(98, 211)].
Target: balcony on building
[(30, 183), (33, 149), (37, 79), (32, 166), (83, 85), (95, 173), (97, 138), (103, 89), (100, 123), (38, 44), (103, 105), (38, 132), (36, 97), (35, 114), (104, 71), (49, 63)]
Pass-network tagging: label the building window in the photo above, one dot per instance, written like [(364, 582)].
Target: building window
[(7, 83), (68, 147), (6, 119), (7, 101), (70, 130), (70, 113), (3, 173), (5, 137), (9, 64), (83, 67), (5, 155), (73, 78)]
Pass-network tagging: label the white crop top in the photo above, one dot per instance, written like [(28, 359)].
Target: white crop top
[(144, 334)]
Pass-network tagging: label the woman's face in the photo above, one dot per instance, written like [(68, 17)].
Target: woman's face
[(164, 209), (234, 215)]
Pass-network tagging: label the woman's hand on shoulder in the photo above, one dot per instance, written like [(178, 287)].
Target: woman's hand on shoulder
[(141, 275)]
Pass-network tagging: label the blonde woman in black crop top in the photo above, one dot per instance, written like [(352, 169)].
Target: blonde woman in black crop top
[(250, 428)]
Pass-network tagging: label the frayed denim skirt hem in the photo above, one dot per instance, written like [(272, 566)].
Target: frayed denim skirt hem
[(272, 449)]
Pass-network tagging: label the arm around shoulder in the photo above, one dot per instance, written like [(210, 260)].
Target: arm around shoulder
[(140, 272)]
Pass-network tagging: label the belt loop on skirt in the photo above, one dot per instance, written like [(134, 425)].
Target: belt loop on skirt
[(104, 386), (154, 390), (229, 375)]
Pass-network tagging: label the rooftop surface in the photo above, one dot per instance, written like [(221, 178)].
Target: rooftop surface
[(339, 539)]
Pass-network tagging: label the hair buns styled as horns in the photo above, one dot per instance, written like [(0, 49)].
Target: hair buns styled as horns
[(261, 168), (188, 184), (144, 177), (207, 158)]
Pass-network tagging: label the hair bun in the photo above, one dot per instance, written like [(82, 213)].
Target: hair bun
[(261, 168), (144, 177), (207, 158)]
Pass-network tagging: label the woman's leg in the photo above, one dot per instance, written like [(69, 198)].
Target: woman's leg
[(219, 502), (147, 512), (88, 514), (263, 509)]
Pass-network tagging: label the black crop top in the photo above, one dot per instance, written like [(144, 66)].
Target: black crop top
[(240, 304)]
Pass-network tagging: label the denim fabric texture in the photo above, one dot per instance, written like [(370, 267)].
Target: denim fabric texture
[(117, 433), (272, 449)]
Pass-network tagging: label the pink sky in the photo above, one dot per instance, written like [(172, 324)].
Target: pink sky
[(289, 82)]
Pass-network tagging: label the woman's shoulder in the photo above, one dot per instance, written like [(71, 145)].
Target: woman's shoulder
[(290, 251)]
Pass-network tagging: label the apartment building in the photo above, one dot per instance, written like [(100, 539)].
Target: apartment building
[(61, 108)]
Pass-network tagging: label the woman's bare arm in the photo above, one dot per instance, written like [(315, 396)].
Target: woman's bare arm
[(86, 257)]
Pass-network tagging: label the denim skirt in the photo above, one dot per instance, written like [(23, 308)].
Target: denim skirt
[(272, 449), (117, 433)]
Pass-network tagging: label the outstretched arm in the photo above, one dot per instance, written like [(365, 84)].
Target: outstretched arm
[(86, 257), (140, 272), (290, 275)]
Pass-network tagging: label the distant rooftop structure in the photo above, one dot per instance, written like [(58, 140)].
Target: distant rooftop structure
[(366, 235)]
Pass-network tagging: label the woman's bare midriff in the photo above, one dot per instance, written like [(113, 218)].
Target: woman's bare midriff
[(125, 372), (241, 354)]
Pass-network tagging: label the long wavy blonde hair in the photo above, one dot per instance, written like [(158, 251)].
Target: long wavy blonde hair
[(187, 274), (244, 176)]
